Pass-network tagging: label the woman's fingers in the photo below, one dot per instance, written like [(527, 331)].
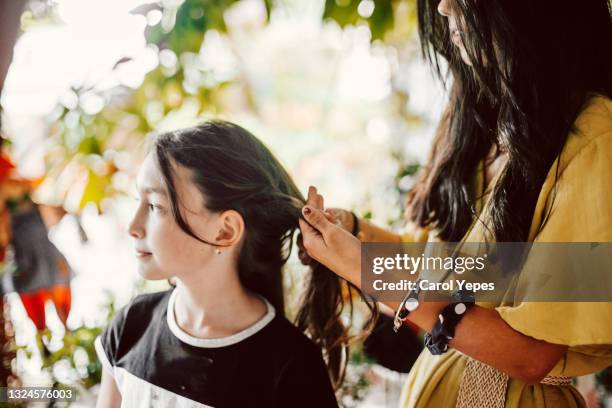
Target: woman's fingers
[(315, 227), (317, 219), (312, 240), (312, 196), (315, 199), (338, 217), (329, 244), (331, 217), (303, 256)]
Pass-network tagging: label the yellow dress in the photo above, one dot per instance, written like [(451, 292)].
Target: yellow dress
[(581, 212)]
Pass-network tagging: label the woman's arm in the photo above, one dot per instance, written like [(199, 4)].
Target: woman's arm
[(482, 333), (485, 336), (109, 396), (367, 232)]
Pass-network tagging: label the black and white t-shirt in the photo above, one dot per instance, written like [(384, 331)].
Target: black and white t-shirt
[(156, 364)]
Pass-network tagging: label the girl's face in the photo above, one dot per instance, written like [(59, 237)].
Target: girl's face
[(163, 249), (445, 9)]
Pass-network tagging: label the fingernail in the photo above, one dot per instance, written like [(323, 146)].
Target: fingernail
[(306, 211)]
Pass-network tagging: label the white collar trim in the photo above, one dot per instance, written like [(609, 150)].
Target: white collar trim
[(218, 342)]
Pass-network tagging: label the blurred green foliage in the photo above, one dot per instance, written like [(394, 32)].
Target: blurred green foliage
[(347, 12), (75, 351), (356, 385), (74, 342), (182, 26), (83, 143)]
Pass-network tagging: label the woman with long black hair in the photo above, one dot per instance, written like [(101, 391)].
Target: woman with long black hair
[(523, 153)]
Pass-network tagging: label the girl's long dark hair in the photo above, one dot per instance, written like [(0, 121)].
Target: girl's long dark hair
[(234, 170), (535, 64)]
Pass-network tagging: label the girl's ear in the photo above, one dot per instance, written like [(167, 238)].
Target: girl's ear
[(231, 228)]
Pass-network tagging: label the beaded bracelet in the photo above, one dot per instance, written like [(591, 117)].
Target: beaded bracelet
[(407, 306), (444, 329)]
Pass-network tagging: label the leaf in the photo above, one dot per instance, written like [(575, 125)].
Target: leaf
[(381, 19), (346, 12), (342, 12), (269, 6), (89, 145), (95, 189), (143, 9), (409, 170), (193, 18)]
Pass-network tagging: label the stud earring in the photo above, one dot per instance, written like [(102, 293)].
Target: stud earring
[(217, 251)]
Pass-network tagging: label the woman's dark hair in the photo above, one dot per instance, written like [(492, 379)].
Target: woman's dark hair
[(234, 170), (534, 66)]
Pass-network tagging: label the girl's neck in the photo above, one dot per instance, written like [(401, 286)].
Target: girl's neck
[(208, 310)]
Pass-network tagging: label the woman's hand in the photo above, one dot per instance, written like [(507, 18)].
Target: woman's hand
[(328, 242), (338, 216)]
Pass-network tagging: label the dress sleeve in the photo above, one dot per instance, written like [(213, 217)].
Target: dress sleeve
[(107, 343), (414, 234), (305, 382), (581, 212)]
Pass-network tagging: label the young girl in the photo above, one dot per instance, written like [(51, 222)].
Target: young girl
[(217, 214)]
